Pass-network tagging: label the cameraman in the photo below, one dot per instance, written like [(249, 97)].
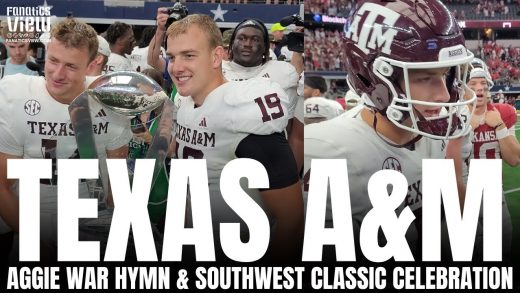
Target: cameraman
[(278, 32), (297, 57), (155, 58)]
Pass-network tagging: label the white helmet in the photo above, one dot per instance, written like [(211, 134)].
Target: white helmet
[(352, 99)]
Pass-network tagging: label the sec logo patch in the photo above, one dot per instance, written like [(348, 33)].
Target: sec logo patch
[(32, 107)]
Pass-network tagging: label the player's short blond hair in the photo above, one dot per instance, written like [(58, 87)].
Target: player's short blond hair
[(76, 34), (205, 24)]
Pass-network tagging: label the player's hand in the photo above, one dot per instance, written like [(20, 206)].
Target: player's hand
[(475, 122), (493, 118), (162, 17), (146, 136)]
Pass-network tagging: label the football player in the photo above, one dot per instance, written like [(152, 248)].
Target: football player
[(121, 38), (35, 122), (219, 120), (318, 109), (405, 78), (101, 59), (494, 132), (493, 138), (461, 149), (249, 57), (314, 86)]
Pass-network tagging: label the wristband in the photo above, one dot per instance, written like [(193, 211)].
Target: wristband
[(501, 133)]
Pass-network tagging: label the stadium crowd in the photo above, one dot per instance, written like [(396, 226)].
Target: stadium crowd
[(482, 8), (503, 62), (324, 47), (324, 50), (340, 8)]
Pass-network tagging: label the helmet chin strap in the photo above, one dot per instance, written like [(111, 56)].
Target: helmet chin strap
[(410, 145)]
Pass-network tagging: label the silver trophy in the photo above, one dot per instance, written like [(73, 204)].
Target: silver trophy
[(121, 97)]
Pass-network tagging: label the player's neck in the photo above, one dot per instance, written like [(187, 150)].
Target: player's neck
[(199, 98), (66, 99), (480, 110), (386, 128), (248, 65), (23, 62), (118, 50)]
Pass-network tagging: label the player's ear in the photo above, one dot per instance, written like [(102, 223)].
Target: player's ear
[(97, 60), (218, 56)]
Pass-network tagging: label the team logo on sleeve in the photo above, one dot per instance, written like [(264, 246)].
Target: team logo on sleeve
[(32, 107)]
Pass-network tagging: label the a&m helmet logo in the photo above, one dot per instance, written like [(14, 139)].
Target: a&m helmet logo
[(367, 33)]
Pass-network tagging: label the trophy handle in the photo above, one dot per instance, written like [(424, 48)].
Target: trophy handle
[(161, 140), (81, 120)]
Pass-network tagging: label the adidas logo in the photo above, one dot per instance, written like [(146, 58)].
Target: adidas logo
[(101, 113), (266, 75), (203, 122)]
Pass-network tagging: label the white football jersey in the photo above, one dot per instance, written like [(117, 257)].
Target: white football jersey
[(320, 107), (34, 125), (139, 58), (117, 62), (366, 153), (229, 113), (42, 122), (278, 71)]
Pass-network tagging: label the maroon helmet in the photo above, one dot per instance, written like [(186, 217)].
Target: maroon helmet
[(384, 39)]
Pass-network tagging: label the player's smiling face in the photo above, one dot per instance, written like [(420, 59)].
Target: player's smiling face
[(248, 47), (65, 70), (192, 63)]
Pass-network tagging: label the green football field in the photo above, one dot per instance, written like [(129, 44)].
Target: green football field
[(512, 191)]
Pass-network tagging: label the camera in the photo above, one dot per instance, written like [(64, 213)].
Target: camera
[(39, 63), (292, 19), (176, 12), (40, 54), (295, 40)]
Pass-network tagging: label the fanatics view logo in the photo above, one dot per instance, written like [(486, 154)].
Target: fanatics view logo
[(32, 107), (27, 24), (360, 32)]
